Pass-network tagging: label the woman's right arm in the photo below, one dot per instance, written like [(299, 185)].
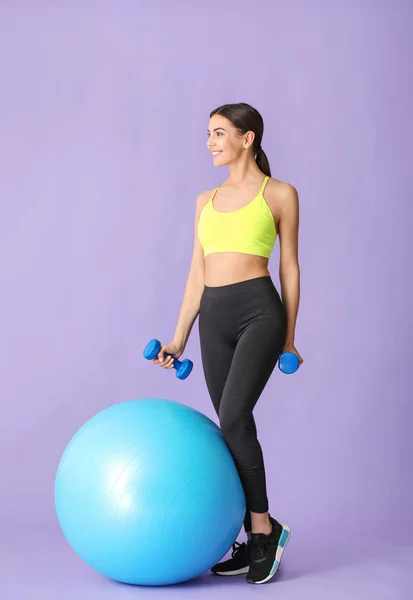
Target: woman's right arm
[(192, 295)]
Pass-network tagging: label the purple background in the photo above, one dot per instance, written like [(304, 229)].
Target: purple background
[(103, 116)]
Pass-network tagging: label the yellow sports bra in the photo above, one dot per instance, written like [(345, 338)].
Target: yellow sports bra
[(249, 229)]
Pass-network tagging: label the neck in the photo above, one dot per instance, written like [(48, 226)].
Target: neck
[(243, 172)]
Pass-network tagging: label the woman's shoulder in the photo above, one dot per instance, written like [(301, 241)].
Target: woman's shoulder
[(280, 192), (203, 197), (276, 186), (281, 197)]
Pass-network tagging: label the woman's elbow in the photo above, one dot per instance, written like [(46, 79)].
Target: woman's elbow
[(289, 266), (197, 274)]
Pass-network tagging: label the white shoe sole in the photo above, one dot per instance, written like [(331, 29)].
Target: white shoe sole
[(242, 571)]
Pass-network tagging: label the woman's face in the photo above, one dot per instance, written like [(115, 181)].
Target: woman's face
[(224, 142)]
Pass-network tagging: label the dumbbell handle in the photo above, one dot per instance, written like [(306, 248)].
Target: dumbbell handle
[(183, 368)]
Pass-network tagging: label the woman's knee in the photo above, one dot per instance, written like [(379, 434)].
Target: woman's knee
[(236, 423)]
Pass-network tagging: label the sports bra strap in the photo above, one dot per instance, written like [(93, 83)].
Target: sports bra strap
[(214, 192), (264, 184), (260, 192)]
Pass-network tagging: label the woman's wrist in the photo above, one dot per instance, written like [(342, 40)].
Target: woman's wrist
[(179, 341)]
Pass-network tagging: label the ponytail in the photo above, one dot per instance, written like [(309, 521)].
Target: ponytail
[(262, 162)]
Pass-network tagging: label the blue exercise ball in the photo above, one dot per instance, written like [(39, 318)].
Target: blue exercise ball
[(147, 493)]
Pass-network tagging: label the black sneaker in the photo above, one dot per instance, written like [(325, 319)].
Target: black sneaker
[(266, 552), (238, 564)]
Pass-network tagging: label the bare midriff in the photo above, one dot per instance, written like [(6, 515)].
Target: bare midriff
[(224, 268)]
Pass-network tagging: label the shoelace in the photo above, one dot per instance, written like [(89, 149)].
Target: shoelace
[(236, 547)]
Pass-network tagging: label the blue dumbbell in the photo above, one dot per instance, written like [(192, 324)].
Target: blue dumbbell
[(288, 363), (183, 368)]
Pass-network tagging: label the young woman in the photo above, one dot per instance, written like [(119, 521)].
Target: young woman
[(244, 325)]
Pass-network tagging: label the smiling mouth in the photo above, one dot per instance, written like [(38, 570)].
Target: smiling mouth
[(216, 153)]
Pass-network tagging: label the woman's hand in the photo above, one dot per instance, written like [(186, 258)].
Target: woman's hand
[(167, 362), (289, 347)]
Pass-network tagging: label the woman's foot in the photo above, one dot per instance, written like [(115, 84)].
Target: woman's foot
[(266, 552), (238, 564)]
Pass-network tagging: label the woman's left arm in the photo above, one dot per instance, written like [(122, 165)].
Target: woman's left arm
[(289, 270)]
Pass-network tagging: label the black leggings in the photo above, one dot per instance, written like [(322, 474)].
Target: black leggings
[(242, 329)]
